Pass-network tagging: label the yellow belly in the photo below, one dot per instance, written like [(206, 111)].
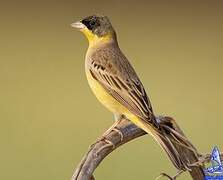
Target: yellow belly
[(105, 98)]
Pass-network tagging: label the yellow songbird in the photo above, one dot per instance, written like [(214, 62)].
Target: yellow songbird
[(115, 82)]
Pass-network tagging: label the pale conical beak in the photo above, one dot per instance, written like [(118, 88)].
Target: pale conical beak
[(78, 25)]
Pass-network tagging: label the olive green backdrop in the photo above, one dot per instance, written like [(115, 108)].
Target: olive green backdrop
[(49, 116)]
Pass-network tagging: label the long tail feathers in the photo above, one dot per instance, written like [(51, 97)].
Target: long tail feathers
[(171, 141)]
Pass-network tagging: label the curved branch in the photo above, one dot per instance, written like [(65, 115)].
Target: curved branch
[(102, 148), (93, 157)]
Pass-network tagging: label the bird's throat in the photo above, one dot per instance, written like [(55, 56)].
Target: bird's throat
[(94, 39)]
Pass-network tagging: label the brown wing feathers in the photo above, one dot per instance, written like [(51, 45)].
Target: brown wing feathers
[(128, 92)]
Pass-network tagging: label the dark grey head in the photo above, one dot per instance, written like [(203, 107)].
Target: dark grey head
[(97, 24)]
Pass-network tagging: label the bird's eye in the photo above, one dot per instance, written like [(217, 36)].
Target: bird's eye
[(92, 23)]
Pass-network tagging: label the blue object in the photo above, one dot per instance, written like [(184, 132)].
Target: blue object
[(215, 172)]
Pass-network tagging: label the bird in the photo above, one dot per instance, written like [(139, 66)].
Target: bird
[(116, 84)]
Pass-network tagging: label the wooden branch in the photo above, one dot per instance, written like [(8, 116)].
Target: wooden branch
[(102, 148), (93, 157)]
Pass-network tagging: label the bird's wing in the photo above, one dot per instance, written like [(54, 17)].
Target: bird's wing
[(124, 86)]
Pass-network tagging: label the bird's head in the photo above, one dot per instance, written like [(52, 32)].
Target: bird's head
[(96, 28)]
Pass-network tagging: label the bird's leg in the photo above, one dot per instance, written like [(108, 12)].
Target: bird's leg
[(169, 177), (118, 119)]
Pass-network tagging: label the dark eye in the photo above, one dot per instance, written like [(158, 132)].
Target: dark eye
[(92, 23)]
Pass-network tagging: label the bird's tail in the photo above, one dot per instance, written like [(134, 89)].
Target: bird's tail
[(171, 141)]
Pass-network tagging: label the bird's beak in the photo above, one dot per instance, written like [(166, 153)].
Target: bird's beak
[(78, 25)]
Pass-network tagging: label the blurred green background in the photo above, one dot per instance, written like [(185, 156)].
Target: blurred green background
[(48, 114)]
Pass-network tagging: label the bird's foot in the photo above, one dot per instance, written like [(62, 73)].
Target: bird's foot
[(108, 144), (100, 139), (168, 176), (119, 132)]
